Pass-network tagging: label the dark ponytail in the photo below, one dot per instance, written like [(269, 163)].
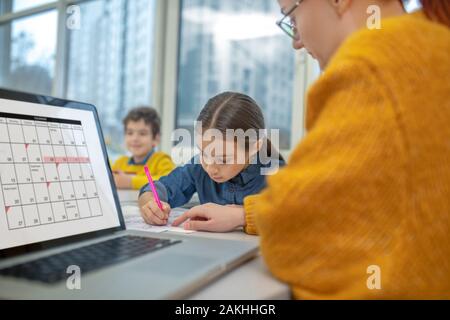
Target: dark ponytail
[(437, 10), (272, 152), (232, 110)]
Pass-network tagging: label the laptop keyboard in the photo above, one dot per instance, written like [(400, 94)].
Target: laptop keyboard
[(53, 269)]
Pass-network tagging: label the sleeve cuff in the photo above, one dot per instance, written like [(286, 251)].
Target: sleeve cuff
[(250, 214), (160, 188), (162, 191), (144, 189)]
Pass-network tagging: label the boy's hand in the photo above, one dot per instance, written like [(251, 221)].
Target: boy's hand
[(153, 215), (123, 180)]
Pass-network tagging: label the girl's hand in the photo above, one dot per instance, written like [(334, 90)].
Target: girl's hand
[(213, 218), (153, 215), (123, 180)]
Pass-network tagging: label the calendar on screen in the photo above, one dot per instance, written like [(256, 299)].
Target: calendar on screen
[(45, 170), (55, 180)]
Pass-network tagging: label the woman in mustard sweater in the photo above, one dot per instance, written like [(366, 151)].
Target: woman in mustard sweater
[(362, 210)]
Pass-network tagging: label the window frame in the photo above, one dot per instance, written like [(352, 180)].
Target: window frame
[(60, 6), (305, 74), (165, 65)]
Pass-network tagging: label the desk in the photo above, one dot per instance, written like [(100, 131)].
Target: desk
[(128, 196), (250, 281)]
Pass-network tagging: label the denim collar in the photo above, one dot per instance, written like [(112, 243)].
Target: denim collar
[(248, 174), (253, 171)]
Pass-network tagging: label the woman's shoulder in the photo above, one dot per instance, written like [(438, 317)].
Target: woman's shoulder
[(401, 40)]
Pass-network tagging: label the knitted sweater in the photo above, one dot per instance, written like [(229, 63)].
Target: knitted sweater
[(370, 183)]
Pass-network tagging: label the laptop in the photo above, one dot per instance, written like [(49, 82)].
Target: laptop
[(62, 233)]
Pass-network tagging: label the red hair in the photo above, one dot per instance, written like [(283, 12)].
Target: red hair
[(437, 10)]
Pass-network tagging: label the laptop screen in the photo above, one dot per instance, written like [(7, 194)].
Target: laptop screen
[(54, 178)]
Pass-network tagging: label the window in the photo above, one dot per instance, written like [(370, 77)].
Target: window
[(412, 5), (18, 5), (27, 58), (110, 61), (235, 45)]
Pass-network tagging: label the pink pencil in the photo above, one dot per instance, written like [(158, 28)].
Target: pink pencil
[(152, 186)]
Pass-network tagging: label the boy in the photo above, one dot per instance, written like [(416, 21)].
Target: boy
[(142, 136)]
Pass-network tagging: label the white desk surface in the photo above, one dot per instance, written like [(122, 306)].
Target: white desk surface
[(250, 281)]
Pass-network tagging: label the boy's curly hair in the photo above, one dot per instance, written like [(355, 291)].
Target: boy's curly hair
[(148, 114)]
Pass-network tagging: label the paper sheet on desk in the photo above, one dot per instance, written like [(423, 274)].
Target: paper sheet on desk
[(134, 221)]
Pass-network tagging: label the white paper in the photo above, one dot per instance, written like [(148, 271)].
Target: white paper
[(134, 221)]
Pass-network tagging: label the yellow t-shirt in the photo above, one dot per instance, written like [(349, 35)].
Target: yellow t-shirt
[(159, 164)]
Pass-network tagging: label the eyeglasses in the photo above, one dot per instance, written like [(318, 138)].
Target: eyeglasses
[(289, 26)]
